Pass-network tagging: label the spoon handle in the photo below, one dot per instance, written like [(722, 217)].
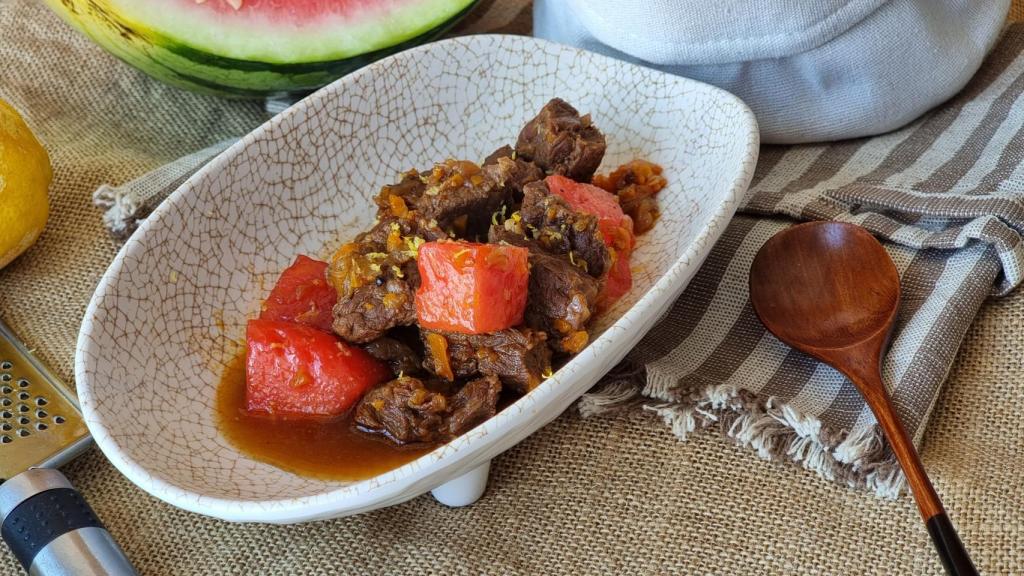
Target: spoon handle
[(947, 543), (944, 536)]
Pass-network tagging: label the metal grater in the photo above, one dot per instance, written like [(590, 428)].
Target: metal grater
[(49, 527), (40, 423)]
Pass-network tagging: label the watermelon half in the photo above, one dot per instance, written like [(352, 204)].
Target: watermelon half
[(257, 48)]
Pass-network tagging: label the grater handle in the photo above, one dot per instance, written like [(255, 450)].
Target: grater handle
[(53, 531)]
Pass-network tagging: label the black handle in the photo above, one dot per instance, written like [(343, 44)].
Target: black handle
[(53, 531), (951, 550)]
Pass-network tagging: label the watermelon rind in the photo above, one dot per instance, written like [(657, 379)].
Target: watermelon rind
[(190, 65)]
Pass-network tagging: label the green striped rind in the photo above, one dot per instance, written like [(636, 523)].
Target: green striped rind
[(183, 65)]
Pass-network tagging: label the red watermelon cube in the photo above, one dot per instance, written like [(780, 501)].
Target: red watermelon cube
[(297, 371), (471, 288), (302, 295)]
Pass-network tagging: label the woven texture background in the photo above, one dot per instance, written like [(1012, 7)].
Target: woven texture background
[(602, 495)]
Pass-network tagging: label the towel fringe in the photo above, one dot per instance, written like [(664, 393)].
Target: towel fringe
[(617, 391), (121, 211), (776, 431)]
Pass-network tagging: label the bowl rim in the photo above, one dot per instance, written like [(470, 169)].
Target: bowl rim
[(391, 487)]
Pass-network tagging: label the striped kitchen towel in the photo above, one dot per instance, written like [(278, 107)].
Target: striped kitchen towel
[(947, 192)]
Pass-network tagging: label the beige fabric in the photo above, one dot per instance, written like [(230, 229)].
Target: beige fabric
[(595, 496)]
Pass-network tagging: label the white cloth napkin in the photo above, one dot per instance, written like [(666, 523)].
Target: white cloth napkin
[(811, 71)]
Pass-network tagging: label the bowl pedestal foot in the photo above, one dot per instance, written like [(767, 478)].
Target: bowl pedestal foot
[(465, 489)]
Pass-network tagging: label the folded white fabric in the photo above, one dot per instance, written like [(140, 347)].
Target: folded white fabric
[(811, 71)]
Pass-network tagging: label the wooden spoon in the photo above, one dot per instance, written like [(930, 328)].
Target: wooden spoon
[(830, 290)]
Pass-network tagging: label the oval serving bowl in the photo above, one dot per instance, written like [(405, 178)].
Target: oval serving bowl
[(171, 310)]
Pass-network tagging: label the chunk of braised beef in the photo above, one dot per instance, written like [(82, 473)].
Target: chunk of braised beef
[(373, 310), (398, 355), (561, 299), (454, 198), (409, 411), (505, 151), (461, 198), (520, 357), (376, 291), (511, 173), (395, 200), (404, 410), (561, 230), (561, 141), (475, 402), (396, 212)]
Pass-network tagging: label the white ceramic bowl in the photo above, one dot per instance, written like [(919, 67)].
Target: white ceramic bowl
[(173, 305)]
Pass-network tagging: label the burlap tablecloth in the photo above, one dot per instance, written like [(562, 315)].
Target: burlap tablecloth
[(602, 495)]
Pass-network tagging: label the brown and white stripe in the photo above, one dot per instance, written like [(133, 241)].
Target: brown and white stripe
[(947, 192)]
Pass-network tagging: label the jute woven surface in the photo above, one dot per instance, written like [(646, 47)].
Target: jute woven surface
[(595, 496)]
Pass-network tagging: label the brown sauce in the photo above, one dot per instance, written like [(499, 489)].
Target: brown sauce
[(328, 449)]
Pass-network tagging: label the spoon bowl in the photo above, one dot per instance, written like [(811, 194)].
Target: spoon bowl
[(825, 285)]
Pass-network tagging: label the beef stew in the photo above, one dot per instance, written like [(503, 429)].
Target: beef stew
[(520, 253)]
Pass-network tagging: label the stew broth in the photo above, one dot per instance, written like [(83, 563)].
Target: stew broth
[(329, 449)]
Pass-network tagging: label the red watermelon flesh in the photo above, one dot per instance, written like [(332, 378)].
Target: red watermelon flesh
[(302, 295), (297, 11)]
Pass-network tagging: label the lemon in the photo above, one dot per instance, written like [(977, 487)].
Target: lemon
[(25, 176)]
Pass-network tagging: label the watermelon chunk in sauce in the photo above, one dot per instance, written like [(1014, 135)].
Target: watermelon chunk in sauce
[(471, 288), (298, 371), (615, 226), (302, 295)]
